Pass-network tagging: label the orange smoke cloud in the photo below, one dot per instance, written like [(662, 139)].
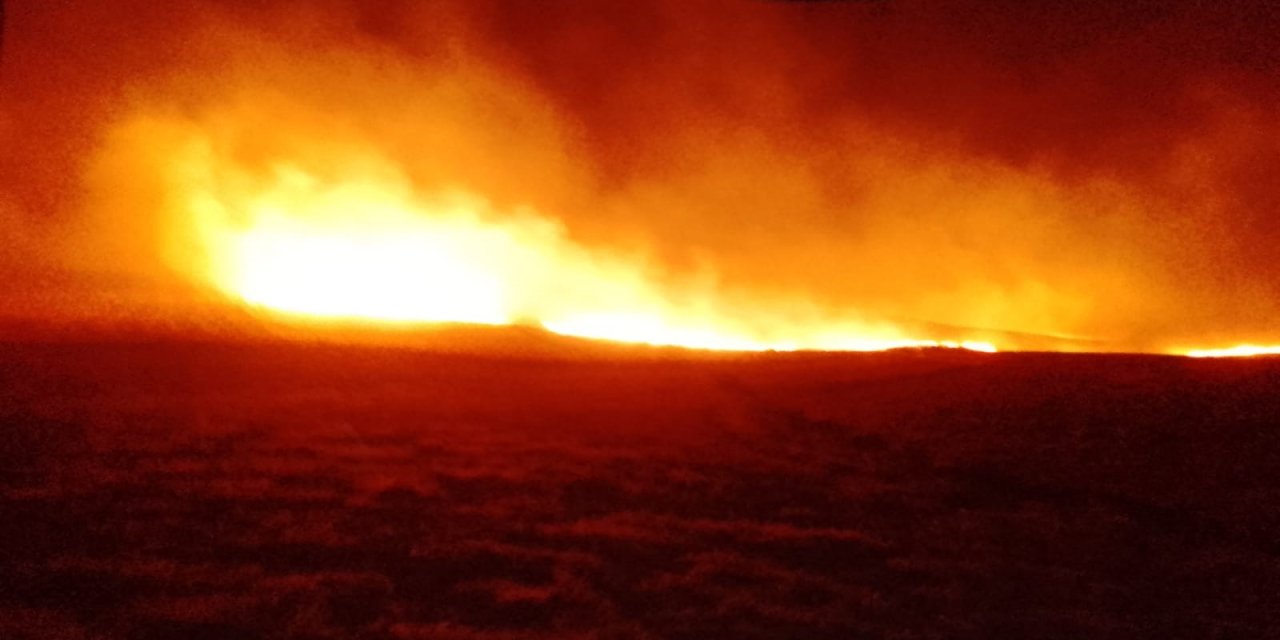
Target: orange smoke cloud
[(774, 173)]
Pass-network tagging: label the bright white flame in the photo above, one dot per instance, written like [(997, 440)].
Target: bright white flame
[(328, 273)]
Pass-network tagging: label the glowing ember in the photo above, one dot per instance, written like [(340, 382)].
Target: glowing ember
[(1239, 351)]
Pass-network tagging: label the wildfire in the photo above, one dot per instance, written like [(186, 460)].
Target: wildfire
[(1238, 351), (368, 247), (377, 264)]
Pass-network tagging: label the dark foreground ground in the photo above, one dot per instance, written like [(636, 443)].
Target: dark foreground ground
[(193, 491)]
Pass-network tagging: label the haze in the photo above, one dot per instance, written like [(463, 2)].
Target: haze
[(775, 170)]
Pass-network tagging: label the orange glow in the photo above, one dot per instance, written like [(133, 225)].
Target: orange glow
[(365, 252), (759, 175), (367, 246), (1238, 351)]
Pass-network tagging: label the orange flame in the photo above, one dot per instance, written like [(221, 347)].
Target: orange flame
[(1238, 351), (345, 159), (367, 246)]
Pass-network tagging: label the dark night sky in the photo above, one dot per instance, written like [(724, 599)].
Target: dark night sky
[(1091, 169)]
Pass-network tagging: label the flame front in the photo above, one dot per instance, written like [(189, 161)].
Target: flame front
[(734, 176), (356, 253), (1238, 351), (368, 247)]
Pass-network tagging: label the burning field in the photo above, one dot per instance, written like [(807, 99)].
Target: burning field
[(740, 175), (487, 319)]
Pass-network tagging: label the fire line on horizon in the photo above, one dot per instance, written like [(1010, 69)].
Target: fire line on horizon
[(786, 175)]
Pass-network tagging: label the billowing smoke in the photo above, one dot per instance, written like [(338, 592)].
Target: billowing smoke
[(1096, 172)]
